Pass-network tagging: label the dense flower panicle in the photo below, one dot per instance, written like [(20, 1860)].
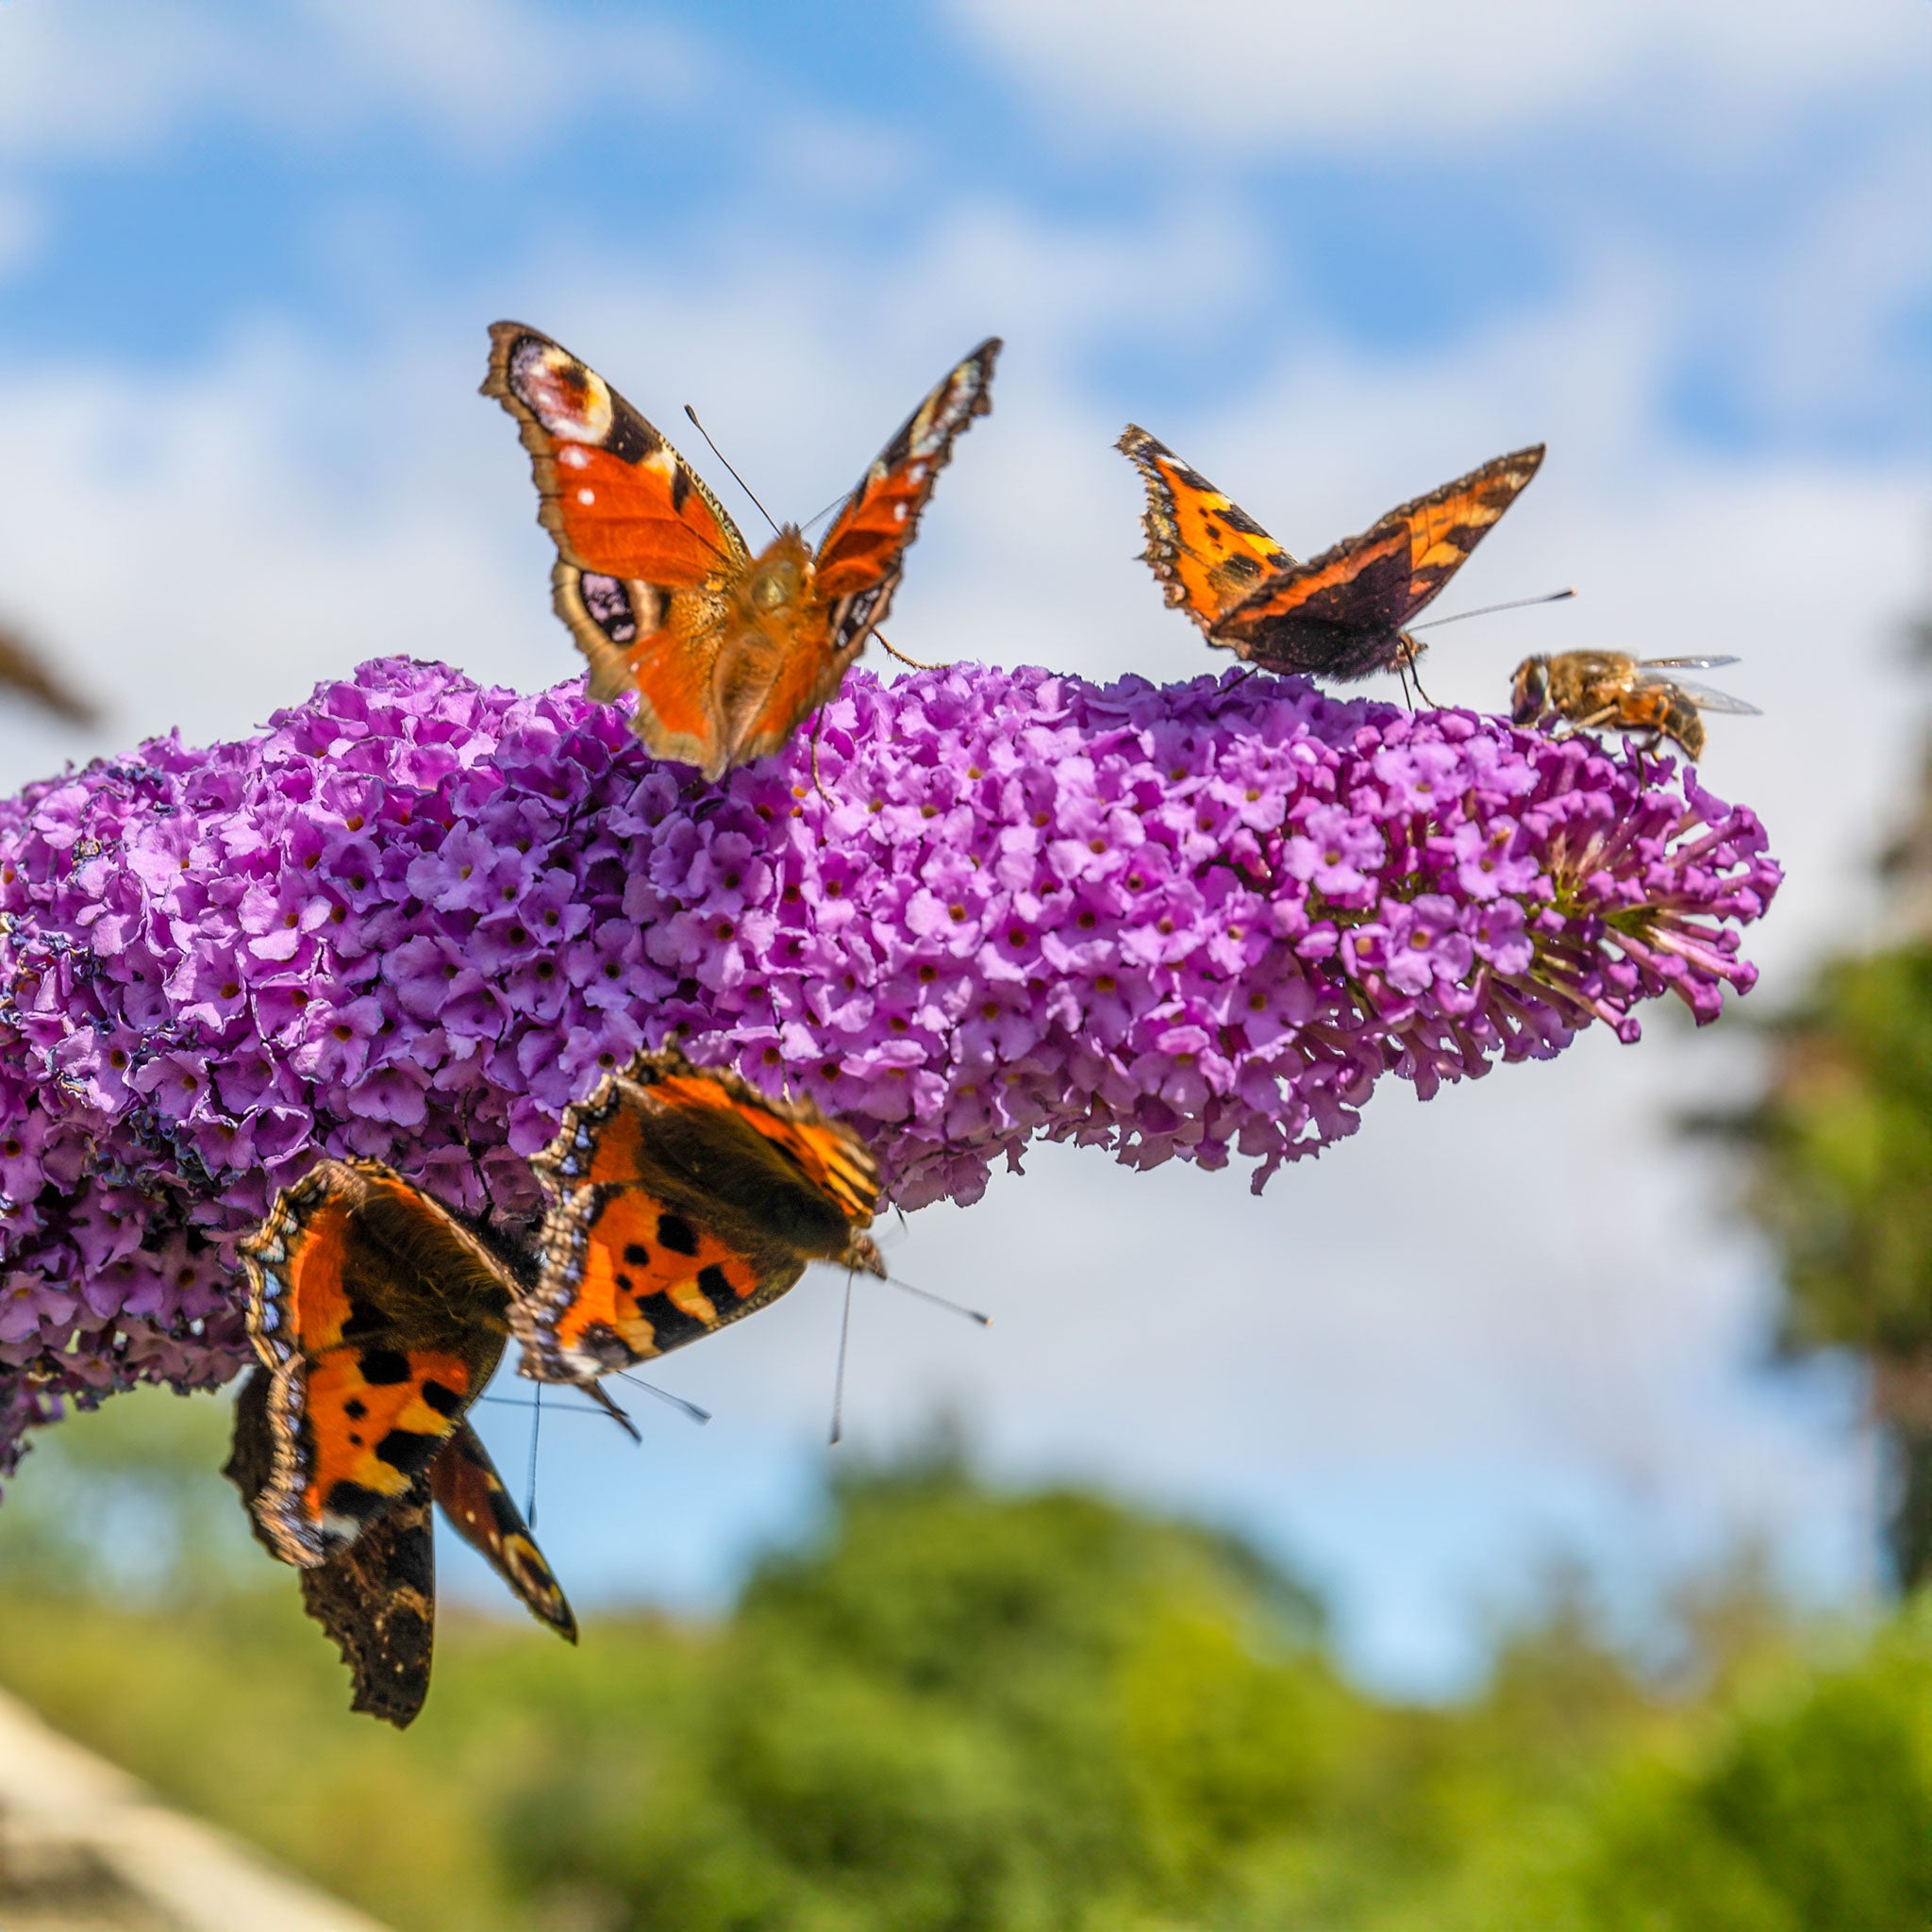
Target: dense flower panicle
[(417, 917)]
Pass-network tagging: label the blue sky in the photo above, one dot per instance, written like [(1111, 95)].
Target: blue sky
[(1335, 254)]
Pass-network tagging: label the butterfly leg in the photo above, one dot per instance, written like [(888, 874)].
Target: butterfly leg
[(818, 784), (894, 651), (595, 1391)]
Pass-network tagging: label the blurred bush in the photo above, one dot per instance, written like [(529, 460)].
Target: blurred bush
[(964, 1710)]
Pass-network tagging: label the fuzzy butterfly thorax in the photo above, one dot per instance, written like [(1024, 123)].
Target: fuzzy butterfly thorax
[(724, 652)]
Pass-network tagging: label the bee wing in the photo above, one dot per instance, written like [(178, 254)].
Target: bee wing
[(1702, 695), (1685, 663)]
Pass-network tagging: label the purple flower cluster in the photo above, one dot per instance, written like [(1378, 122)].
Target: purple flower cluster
[(417, 918)]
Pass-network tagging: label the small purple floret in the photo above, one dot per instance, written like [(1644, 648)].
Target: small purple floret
[(417, 915)]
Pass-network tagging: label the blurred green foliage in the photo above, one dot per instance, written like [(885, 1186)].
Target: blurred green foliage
[(1840, 1151), (964, 1710), (1839, 1154)]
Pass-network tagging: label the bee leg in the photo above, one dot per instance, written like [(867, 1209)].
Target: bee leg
[(1588, 723)]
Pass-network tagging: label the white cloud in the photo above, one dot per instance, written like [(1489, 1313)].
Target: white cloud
[(116, 76), (1396, 73)]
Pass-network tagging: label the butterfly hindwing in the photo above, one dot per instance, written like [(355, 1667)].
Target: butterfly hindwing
[(1341, 613), (1206, 551), (380, 1317), (682, 1199)]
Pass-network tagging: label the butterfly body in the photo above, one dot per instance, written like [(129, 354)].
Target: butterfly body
[(1340, 615), (682, 1199), (725, 651)]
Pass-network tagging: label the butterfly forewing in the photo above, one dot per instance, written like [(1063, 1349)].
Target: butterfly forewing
[(1207, 552), (1341, 613), (859, 565), (478, 1507), (683, 1199), (380, 1317), (612, 492)]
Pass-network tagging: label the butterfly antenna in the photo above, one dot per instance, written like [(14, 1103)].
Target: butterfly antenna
[(839, 1379), (520, 1402), (939, 1301), (688, 1410), (843, 497), (1490, 609), (530, 1482), (727, 462)]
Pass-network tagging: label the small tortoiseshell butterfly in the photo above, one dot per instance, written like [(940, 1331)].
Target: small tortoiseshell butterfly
[(378, 1316), (683, 1198), (1341, 614), (727, 652)]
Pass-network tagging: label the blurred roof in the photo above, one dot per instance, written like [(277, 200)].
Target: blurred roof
[(84, 1848)]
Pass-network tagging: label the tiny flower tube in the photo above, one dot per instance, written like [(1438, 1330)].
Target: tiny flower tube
[(416, 918)]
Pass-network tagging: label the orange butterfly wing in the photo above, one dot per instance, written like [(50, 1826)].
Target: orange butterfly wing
[(1206, 551), (381, 1318), (859, 563), (646, 555), (683, 1199), (1341, 613), (477, 1506), (375, 1598)]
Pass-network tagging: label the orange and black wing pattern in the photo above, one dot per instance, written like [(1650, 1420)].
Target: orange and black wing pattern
[(859, 563), (1207, 552), (775, 670), (380, 1316), (477, 1506), (375, 1598), (646, 555), (683, 1198), (1341, 614)]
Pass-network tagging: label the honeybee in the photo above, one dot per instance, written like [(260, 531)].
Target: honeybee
[(1606, 689)]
